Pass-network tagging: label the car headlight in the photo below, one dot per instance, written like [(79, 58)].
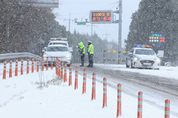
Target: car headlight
[(158, 60), (68, 56), (45, 56), (135, 59)]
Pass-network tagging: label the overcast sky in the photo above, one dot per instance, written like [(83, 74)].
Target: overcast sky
[(80, 9)]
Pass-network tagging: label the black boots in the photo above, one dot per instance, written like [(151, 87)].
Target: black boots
[(90, 65), (82, 65)]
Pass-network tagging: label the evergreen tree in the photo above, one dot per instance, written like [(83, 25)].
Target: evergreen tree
[(155, 16)]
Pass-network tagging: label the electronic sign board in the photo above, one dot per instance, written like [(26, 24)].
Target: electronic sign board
[(157, 39), (101, 16)]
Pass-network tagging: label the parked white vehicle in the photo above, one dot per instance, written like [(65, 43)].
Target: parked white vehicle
[(60, 49), (142, 56)]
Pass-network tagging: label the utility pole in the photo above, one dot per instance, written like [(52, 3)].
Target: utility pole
[(91, 28), (120, 26), (106, 35), (69, 21)]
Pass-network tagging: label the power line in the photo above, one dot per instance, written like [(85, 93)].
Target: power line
[(108, 5), (92, 28), (106, 35), (113, 5), (103, 7), (103, 33)]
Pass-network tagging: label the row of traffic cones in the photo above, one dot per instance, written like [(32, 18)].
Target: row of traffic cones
[(140, 94), (22, 67)]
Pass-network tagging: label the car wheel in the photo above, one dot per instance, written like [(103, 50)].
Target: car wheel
[(69, 64), (132, 65), (127, 66)]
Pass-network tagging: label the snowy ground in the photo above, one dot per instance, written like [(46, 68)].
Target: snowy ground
[(168, 72), (22, 97)]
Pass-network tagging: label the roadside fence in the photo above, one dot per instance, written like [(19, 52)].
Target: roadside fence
[(32, 61)]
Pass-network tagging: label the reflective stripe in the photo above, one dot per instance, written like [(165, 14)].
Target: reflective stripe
[(139, 103), (76, 76), (84, 80), (118, 99), (119, 88), (119, 93), (167, 112), (139, 109), (94, 85), (94, 81), (104, 86), (104, 81), (140, 96), (167, 105)]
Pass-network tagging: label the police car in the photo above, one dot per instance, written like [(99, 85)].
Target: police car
[(142, 56)]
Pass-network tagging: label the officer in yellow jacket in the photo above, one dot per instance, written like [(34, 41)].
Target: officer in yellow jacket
[(82, 52), (90, 54)]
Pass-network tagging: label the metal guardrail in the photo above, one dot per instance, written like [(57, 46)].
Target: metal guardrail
[(18, 55), (119, 60)]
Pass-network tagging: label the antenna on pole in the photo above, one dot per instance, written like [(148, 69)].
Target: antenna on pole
[(120, 26)]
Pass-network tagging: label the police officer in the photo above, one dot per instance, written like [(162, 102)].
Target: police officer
[(82, 52), (90, 54)]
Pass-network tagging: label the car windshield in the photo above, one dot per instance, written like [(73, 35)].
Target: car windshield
[(51, 49), (144, 52)]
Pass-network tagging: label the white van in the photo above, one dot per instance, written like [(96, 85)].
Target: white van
[(60, 49)]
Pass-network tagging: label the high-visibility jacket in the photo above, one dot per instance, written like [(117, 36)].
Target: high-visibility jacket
[(90, 49), (82, 48)]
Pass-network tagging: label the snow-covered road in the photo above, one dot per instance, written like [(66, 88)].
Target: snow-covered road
[(21, 97)]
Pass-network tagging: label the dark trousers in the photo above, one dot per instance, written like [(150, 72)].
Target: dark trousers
[(90, 59), (82, 59)]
